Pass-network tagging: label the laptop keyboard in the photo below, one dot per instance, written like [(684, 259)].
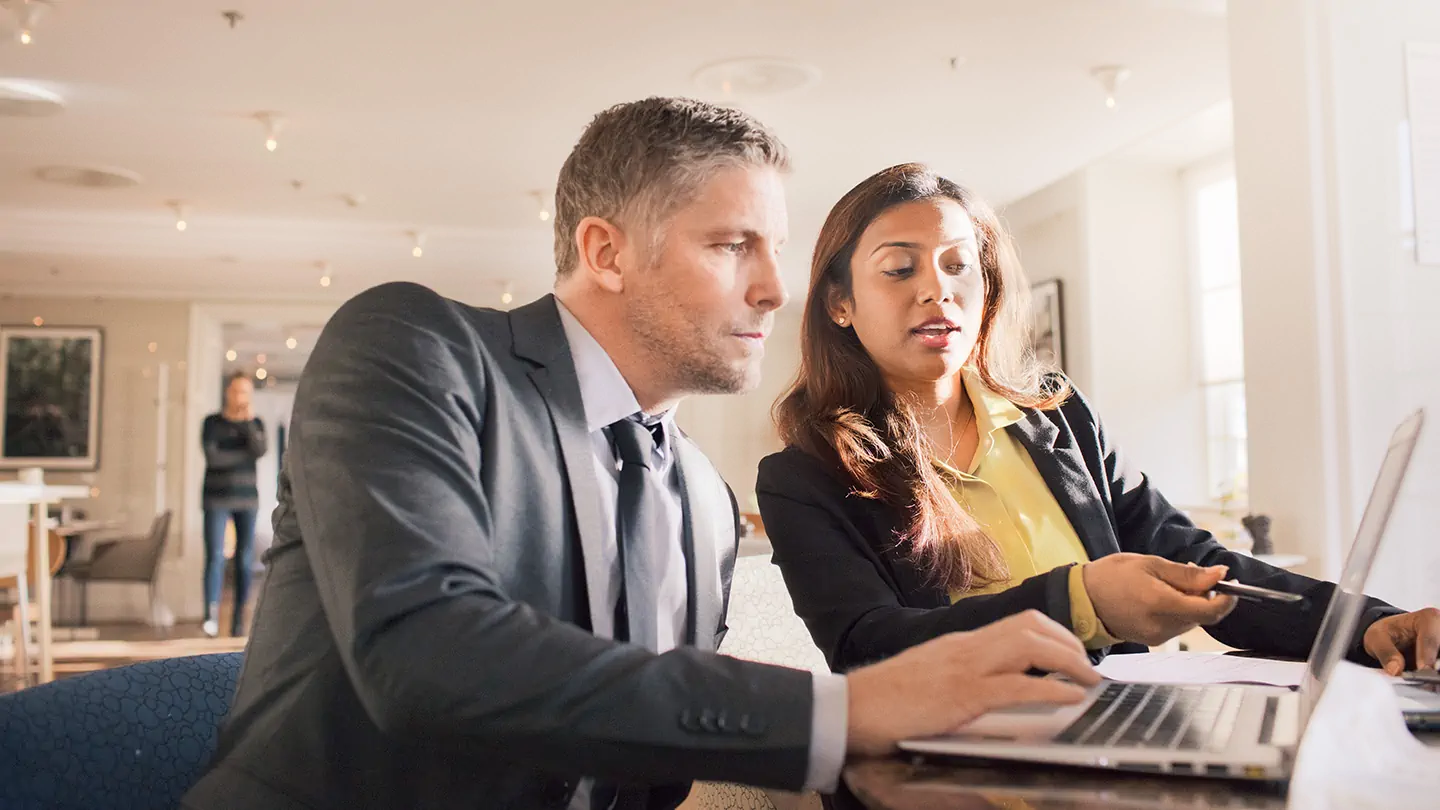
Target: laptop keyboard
[(1182, 718)]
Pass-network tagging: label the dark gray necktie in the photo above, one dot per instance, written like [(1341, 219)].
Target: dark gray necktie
[(637, 510), (638, 606)]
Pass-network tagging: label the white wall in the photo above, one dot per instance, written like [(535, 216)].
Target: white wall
[(272, 406), (129, 410), (1050, 228), (1114, 233), (1391, 303), (1341, 324), (1146, 385)]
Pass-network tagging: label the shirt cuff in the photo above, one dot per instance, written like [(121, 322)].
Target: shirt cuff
[(829, 718), (1083, 619)]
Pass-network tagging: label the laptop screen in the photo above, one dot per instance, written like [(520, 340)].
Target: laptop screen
[(1343, 614)]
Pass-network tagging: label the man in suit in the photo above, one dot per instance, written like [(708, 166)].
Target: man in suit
[(500, 572)]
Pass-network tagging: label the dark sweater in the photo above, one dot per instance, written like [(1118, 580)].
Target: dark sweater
[(230, 452)]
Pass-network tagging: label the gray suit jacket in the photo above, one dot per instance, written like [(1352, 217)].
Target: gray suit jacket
[(422, 639)]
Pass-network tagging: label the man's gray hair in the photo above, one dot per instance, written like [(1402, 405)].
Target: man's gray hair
[(637, 162)]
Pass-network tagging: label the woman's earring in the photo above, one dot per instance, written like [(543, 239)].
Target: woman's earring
[(840, 321)]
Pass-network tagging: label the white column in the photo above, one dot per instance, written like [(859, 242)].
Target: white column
[(1341, 323), (1283, 177)]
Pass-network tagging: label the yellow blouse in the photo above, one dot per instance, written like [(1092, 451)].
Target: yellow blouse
[(1007, 496)]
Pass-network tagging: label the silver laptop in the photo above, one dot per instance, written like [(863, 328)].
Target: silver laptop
[(1224, 731)]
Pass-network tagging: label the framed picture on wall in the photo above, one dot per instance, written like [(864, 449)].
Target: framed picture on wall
[(50, 381), (1047, 323)]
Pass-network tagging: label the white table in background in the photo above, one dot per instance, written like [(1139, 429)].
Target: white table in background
[(39, 497)]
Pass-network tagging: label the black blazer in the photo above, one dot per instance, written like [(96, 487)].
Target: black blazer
[(864, 600), (423, 638)]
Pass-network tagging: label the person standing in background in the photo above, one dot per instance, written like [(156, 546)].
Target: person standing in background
[(233, 439)]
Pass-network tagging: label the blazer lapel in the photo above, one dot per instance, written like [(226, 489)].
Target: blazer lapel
[(707, 516), (540, 338), (1063, 468)]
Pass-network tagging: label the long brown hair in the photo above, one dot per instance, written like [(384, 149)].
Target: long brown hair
[(840, 410)]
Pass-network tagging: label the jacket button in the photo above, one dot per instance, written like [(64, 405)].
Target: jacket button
[(707, 720), (688, 721), (727, 723), (752, 725)]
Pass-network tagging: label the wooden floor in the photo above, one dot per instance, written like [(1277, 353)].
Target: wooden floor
[(119, 644)]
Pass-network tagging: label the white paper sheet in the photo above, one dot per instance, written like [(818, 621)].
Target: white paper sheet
[(1200, 668), (1357, 754)]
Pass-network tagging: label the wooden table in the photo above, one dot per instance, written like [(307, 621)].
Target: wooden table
[(898, 785), (39, 497)]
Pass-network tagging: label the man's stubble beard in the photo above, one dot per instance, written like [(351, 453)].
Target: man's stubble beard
[(691, 360)]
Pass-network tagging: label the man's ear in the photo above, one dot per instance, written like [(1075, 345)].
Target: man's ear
[(601, 244)]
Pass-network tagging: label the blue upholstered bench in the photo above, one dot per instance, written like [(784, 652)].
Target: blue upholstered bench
[(130, 738)]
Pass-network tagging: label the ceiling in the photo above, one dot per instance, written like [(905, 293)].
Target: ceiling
[(266, 345), (447, 115)]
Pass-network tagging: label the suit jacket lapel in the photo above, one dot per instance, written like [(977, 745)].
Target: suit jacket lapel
[(539, 337), (1063, 467), (707, 515)]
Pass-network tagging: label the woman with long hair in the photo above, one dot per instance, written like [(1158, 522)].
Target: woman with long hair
[(935, 478)]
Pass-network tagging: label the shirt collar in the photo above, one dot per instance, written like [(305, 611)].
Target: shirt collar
[(606, 396), (992, 411)]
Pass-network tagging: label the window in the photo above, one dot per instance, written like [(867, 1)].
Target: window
[(1222, 337)]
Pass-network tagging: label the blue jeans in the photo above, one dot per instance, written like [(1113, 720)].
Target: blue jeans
[(215, 520)]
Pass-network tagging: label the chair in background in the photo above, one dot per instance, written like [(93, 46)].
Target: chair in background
[(131, 738), (134, 560), (764, 628)]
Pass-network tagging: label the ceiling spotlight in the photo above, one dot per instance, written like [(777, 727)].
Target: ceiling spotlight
[(38, 321), (272, 121), (260, 358), (153, 346), (181, 212), (27, 14), (291, 343), (261, 374), (507, 296), (1110, 78), (419, 249), (324, 268), (540, 204), (231, 355)]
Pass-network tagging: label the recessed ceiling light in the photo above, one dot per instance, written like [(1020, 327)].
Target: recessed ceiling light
[(27, 101), (755, 77), (89, 176)]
